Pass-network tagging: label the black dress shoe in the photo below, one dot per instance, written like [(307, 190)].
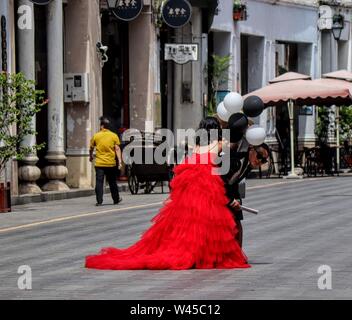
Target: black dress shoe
[(116, 203), (99, 205)]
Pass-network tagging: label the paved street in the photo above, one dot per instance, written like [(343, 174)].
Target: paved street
[(302, 225)]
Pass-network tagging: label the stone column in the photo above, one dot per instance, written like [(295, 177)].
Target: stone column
[(28, 173), (56, 170)]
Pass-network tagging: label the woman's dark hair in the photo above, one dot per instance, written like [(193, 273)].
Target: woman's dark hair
[(209, 130)]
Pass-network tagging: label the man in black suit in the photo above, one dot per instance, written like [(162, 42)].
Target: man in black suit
[(235, 183), (243, 159)]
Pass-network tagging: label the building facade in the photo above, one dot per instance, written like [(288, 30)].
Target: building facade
[(279, 36), (92, 63)]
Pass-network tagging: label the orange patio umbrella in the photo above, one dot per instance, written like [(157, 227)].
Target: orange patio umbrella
[(289, 76), (341, 78), (340, 74), (298, 89), (303, 91)]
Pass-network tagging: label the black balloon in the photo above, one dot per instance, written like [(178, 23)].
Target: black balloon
[(238, 124), (253, 106)]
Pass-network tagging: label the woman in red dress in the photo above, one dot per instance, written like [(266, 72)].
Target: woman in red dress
[(194, 230)]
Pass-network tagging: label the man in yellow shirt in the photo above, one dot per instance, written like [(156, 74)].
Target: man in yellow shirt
[(107, 146)]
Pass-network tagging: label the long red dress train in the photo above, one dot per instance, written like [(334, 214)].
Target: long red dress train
[(194, 229)]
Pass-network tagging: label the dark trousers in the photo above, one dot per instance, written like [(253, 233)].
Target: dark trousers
[(111, 176)]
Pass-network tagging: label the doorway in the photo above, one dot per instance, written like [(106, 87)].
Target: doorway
[(116, 72), (287, 60), (252, 63), (41, 77), (166, 80)]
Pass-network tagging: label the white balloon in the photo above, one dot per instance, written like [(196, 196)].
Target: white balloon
[(233, 102), (255, 136), (223, 114)]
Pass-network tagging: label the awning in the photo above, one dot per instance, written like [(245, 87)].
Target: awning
[(289, 76), (303, 92), (341, 74)]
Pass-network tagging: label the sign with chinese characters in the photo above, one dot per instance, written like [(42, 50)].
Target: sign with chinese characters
[(176, 13), (41, 2), (325, 18), (181, 53), (127, 10)]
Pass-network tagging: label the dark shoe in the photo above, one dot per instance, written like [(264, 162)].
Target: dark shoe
[(99, 205), (116, 203)]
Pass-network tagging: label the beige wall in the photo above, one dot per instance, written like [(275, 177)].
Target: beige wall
[(83, 27), (142, 42), (82, 34)]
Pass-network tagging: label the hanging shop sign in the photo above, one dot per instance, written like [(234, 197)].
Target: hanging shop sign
[(325, 20), (176, 13), (181, 53), (41, 2), (127, 10)]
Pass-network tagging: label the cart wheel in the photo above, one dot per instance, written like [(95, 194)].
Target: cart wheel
[(133, 184)]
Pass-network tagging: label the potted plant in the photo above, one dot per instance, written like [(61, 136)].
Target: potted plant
[(19, 102), (218, 73), (239, 10)]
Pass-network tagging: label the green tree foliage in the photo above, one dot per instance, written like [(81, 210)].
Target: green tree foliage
[(19, 102), (219, 75), (237, 4), (323, 123), (346, 123), (324, 126)]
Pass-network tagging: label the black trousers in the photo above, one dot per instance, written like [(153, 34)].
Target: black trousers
[(111, 176), (232, 192)]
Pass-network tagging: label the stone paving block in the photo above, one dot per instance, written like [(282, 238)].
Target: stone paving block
[(301, 226)]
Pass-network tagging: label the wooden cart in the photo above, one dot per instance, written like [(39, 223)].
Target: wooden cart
[(147, 175)]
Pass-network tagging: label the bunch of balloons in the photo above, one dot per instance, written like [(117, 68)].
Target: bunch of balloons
[(236, 111)]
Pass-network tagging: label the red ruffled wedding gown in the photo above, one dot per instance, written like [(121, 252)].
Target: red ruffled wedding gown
[(194, 229)]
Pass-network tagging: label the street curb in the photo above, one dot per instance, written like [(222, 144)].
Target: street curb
[(54, 196)]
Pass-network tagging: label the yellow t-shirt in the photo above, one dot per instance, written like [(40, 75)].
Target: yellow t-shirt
[(105, 142)]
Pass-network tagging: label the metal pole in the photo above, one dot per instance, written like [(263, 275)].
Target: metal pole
[(290, 107), (292, 139), (337, 139)]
